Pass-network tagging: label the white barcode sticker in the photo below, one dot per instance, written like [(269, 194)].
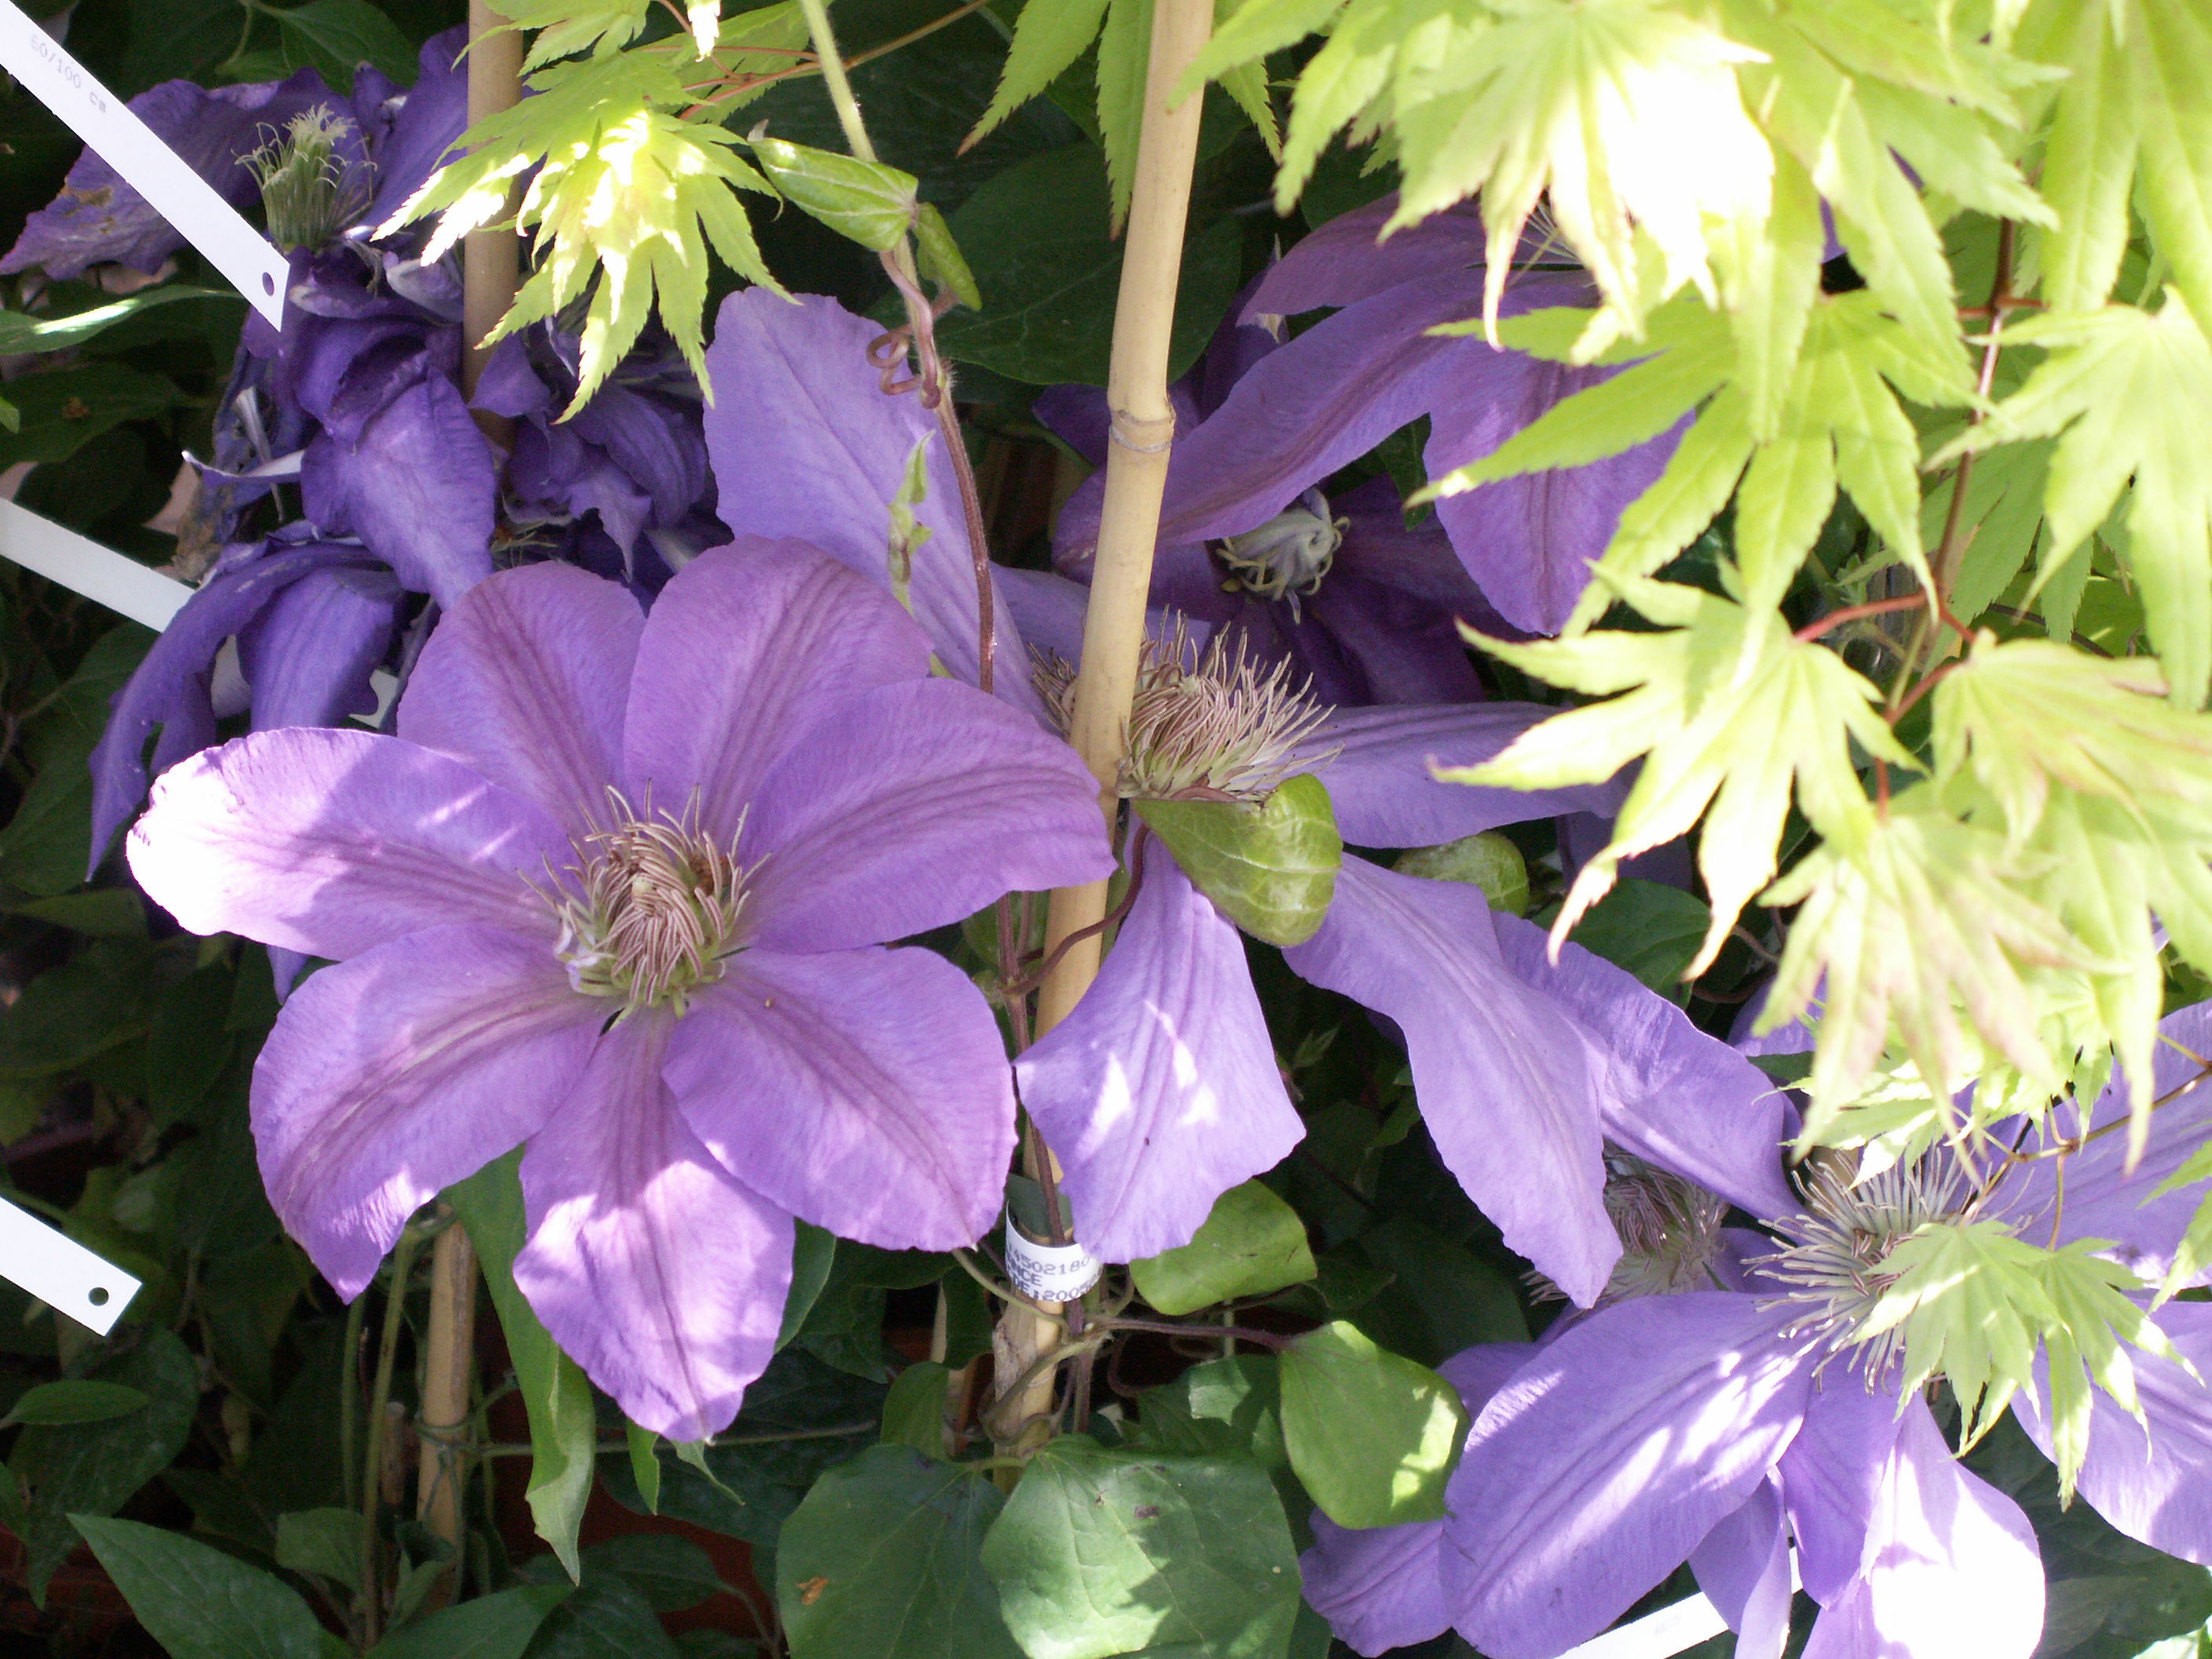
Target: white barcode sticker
[(1049, 1273), (148, 166), (61, 1273)]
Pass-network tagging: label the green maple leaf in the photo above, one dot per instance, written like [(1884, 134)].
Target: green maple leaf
[(1972, 1302), (2135, 106), (1924, 916), (2128, 394), (1838, 422), (1728, 711), (624, 190)]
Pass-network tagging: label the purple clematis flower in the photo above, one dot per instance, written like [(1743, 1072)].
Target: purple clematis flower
[(1363, 608), (1334, 391), (616, 892), (1162, 1089), (1715, 1409)]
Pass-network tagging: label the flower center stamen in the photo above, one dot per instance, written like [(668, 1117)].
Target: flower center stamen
[(1215, 727), (1669, 1230), (1833, 1262), (1287, 556), (652, 909)]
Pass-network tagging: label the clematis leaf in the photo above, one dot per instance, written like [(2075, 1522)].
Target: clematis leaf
[(564, 1432), (1271, 866), (1729, 710), (940, 257), (881, 1562), (200, 1603), (73, 1401), (1489, 860), (1101, 1553), (1250, 1244), (866, 202), (2127, 393), (1972, 1302), (1373, 1436), (914, 1410)]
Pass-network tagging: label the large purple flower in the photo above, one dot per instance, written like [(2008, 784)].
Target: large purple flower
[(1715, 1409), (616, 891), (1334, 391), (1162, 1089)]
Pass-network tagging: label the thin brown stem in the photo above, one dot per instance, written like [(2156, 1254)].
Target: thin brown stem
[(1273, 1341)]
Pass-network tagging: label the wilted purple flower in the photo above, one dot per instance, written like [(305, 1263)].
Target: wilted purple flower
[(616, 891), (1716, 1425), (1332, 393)]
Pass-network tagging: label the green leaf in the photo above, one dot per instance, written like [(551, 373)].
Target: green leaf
[(1230, 1408), (1271, 866), (69, 1402), (864, 202), (914, 1410), (1651, 929), (199, 1603), (563, 1434), (1251, 1243), (2132, 102), (1124, 53), (1049, 36), (94, 1468), (881, 1562), (625, 199), (496, 1626), (19, 332), (324, 1540), (65, 409), (606, 1617), (645, 1464), (1102, 1553), (1046, 270), (1731, 710), (813, 1251), (333, 36), (108, 913), (1489, 860), (187, 1047), (2127, 393), (45, 848), (674, 1574), (940, 257), (1373, 1435)]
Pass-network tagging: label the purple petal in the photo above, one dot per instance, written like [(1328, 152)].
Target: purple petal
[(1078, 416), (1392, 647), (525, 681), (657, 447), (743, 648), (1666, 1091), (1530, 541), (430, 117), (392, 1076), (1831, 1475), (866, 1091), (171, 688), (1160, 1091), (901, 809), (1743, 1567), (805, 443), (1607, 1459), (2099, 1197), (2155, 1487), (308, 656), (1951, 1565), (420, 487), (98, 218), (1385, 794), (334, 842), (1346, 260), (1506, 1081), (663, 1277)]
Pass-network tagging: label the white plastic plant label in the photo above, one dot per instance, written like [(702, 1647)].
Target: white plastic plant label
[(1049, 1273), (157, 173), (61, 1273)]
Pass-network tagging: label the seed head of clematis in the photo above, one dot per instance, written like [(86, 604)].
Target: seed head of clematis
[(312, 183), (686, 1017)]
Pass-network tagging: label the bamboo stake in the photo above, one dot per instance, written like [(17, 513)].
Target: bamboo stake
[(491, 272), (1142, 432)]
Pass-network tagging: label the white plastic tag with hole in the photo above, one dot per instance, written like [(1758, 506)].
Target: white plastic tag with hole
[(148, 166), (1049, 1273), (61, 1273)]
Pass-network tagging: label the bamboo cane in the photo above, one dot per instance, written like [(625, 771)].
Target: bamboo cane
[(1142, 433), (491, 272)]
